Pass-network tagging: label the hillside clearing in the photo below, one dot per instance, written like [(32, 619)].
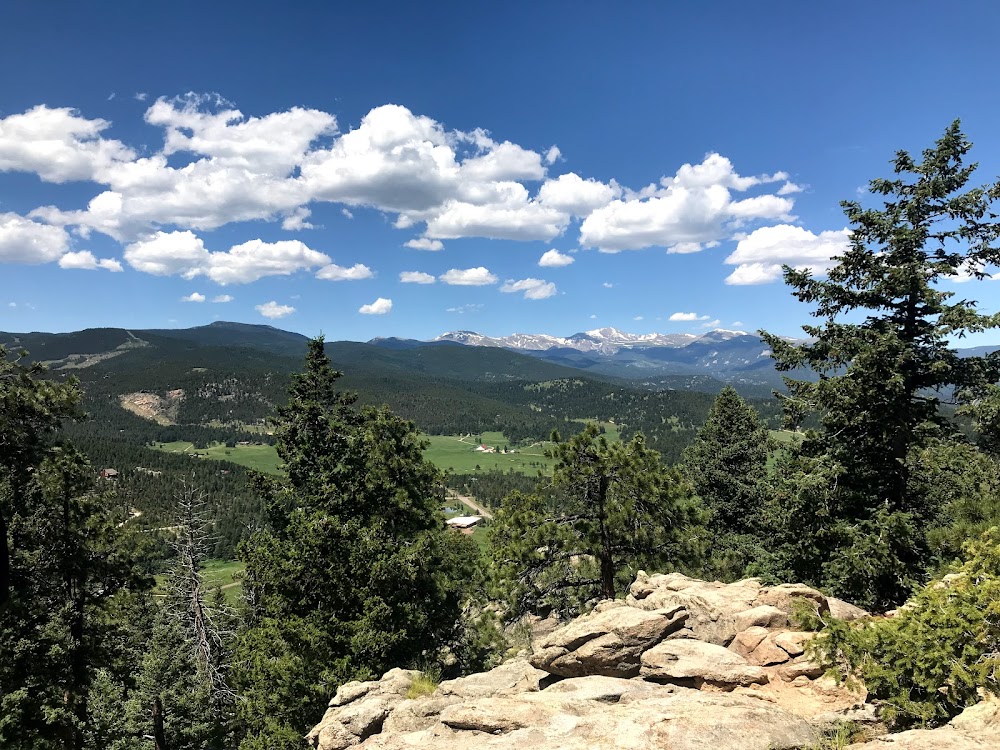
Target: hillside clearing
[(458, 453), (263, 458)]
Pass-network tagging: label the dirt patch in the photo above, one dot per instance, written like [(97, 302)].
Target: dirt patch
[(81, 361), (160, 409)]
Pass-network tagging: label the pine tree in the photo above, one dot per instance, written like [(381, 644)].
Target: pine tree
[(885, 362), (354, 573), (71, 563), (185, 665), (727, 464), (31, 410), (609, 509)]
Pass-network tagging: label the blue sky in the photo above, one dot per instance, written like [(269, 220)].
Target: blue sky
[(281, 155)]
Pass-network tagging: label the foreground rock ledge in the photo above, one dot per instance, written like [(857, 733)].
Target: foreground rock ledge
[(679, 664)]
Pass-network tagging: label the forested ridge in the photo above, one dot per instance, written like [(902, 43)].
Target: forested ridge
[(231, 392), (349, 569)]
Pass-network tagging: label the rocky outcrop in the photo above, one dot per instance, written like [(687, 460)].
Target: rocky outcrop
[(607, 643), (716, 612), (678, 664)]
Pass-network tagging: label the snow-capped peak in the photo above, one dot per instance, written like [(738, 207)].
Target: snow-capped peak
[(606, 340)]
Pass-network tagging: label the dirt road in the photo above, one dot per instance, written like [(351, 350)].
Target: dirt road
[(471, 503)]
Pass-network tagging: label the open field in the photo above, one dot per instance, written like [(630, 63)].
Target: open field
[(611, 430), (458, 453), (786, 436), (263, 458), (216, 573)]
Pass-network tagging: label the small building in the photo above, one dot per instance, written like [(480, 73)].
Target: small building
[(109, 473), (464, 522), (485, 449)]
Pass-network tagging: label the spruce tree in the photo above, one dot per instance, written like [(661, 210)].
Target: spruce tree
[(354, 573), (726, 465), (884, 360)]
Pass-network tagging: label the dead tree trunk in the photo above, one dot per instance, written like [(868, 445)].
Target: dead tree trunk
[(159, 741)]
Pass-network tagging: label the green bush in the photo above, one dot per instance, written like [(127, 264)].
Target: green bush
[(939, 654)]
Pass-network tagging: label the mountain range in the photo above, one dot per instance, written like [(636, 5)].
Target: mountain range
[(220, 382), (672, 360)]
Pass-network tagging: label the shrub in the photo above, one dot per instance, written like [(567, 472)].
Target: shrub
[(941, 651)]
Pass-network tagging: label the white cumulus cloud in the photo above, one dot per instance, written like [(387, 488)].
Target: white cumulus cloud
[(416, 277), (422, 243), (333, 272), (274, 143), (509, 215), (184, 253), (256, 259), (760, 255), (575, 195), (215, 165), (194, 297), (684, 213), (532, 288), (555, 259), (687, 316), (297, 220), (273, 310), (25, 241), (59, 145), (222, 298), (468, 277), (168, 253), (85, 260), (379, 307)]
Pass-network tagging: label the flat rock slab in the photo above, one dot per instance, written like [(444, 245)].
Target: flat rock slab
[(688, 720), (696, 663), (510, 678), (602, 689)]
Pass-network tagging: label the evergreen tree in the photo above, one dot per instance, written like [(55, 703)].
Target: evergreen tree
[(727, 464), (610, 509), (71, 563), (940, 654), (31, 410), (354, 573), (170, 670), (885, 361)]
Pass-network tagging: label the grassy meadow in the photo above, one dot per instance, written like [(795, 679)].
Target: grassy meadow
[(263, 458), (458, 453), (217, 574)]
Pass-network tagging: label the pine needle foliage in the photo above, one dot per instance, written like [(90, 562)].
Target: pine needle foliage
[(884, 359), (355, 572), (939, 654)]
